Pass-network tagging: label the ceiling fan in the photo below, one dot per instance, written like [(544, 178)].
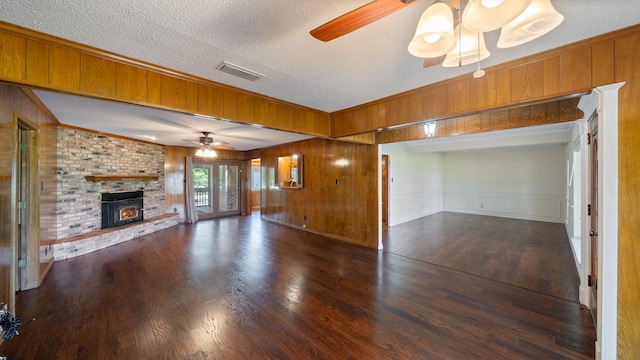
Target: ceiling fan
[(206, 141), (366, 15), (455, 33)]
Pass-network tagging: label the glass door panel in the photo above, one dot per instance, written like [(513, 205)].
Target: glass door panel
[(229, 186), (202, 188), (217, 188)]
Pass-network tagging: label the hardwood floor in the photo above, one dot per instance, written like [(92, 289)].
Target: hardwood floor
[(533, 255), (241, 288)]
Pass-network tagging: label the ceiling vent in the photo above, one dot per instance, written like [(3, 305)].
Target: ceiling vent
[(239, 71)]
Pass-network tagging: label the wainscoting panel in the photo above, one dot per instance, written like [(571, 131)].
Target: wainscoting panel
[(495, 203), (411, 206), (518, 206), (453, 200), (541, 207)]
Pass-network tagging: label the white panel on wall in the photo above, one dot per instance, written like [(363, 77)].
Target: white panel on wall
[(415, 184), (495, 204), (541, 207), (453, 200)]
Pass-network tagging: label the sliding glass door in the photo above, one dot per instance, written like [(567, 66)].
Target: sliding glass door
[(217, 188)]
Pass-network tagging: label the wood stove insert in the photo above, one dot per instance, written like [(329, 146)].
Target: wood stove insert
[(121, 208)]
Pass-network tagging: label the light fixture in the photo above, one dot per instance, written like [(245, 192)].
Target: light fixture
[(469, 49), (489, 15), (521, 21), (206, 147), (538, 19), (430, 128), (434, 34)]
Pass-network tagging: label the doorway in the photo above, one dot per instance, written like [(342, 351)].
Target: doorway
[(217, 188), (27, 264), (256, 181), (385, 190)]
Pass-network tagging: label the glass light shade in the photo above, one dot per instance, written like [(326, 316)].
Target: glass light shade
[(434, 35), (538, 19), (430, 128), (478, 17), (491, 3), (470, 48), (205, 152), (209, 153)]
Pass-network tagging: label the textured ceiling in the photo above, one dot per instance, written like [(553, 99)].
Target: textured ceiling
[(272, 37)]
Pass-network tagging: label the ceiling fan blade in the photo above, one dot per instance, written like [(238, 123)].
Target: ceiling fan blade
[(358, 18)]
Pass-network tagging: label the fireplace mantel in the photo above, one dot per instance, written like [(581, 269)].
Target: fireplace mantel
[(101, 178)]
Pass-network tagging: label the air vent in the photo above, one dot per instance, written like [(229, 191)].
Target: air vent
[(239, 71)]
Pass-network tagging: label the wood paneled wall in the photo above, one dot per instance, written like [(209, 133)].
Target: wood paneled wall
[(627, 49), (13, 100), (43, 61), (339, 197), (529, 115), (566, 71), (174, 165)]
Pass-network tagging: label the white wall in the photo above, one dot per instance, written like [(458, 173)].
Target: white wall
[(527, 183), (415, 184), (517, 183)]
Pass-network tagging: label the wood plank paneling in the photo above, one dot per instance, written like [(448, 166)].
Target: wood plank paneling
[(37, 70), (218, 102), (482, 92), (439, 101), (64, 68), (97, 76), (523, 116), (626, 67), (131, 83), (459, 96), (205, 99), (415, 107), (230, 105), (13, 51), (154, 88), (426, 104), (527, 82), (576, 69), (552, 73), (503, 86), (603, 63), (337, 196), (191, 94), (245, 108), (173, 92)]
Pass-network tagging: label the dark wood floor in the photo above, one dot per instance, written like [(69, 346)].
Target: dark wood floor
[(534, 255), (241, 288)]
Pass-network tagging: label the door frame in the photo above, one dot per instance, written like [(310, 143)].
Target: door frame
[(29, 275), (604, 100)]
